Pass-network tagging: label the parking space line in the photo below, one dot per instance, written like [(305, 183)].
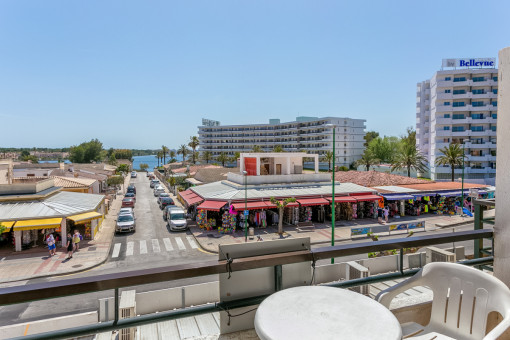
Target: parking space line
[(116, 250), (168, 244), (155, 246), (180, 244), (143, 247), (192, 242), (130, 248)]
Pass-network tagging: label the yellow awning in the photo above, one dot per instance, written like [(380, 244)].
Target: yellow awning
[(85, 217), (7, 224), (46, 223)]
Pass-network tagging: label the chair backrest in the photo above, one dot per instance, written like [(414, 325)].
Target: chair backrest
[(463, 297)]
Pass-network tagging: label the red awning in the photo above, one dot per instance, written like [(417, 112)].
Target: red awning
[(367, 198), (190, 200), (306, 202), (342, 199), (253, 205), (212, 205), (188, 192)]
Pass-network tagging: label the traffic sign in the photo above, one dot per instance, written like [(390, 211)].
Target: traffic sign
[(246, 212)]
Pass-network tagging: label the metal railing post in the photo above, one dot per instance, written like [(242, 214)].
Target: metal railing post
[(401, 264), (278, 283), (116, 306)]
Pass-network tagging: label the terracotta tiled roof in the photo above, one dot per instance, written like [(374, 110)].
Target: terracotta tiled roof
[(443, 186), (194, 168), (374, 178), (209, 175), (73, 182)]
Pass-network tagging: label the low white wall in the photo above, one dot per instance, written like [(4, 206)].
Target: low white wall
[(277, 179), (330, 272)]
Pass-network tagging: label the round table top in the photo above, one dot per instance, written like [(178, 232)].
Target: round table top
[(318, 312)]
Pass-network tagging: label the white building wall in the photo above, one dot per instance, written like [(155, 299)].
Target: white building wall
[(310, 136), (451, 107)]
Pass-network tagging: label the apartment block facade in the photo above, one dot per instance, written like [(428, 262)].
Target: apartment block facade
[(459, 105), (306, 134)]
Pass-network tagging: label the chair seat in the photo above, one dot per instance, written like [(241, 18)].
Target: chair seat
[(415, 331), (431, 336)]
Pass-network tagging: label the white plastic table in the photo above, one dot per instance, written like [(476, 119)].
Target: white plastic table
[(315, 312)]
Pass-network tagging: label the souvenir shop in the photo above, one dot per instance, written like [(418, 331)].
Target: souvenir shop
[(87, 224), (214, 215), (397, 204), (33, 232), (440, 204), (349, 208), (306, 210)]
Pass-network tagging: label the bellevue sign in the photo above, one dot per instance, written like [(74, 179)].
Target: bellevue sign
[(470, 62)]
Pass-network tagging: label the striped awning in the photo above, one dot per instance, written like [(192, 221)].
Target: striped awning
[(307, 202), (85, 217), (45, 223), (211, 205)]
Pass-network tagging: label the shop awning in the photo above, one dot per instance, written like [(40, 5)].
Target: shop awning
[(342, 199), (188, 192), (306, 202), (362, 198), (253, 205), (85, 217), (452, 193), (7, 224), (397, 197), (190, 200), (212, 205), (38, 224)]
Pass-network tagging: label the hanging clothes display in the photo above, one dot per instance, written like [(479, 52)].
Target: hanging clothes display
[(228, 225), (201, 218)]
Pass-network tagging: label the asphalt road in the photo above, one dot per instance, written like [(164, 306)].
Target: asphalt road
[(152, 245)]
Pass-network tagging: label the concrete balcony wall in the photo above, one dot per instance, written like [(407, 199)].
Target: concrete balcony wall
[(275, 179)]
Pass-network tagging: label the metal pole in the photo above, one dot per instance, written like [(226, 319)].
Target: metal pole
[(245, 206), (462, 202), (333, 198)]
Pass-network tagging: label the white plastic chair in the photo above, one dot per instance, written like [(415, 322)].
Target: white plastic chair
[(463, 297)]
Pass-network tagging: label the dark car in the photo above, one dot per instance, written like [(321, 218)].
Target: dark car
[(130, 195), (164, 201), (131, 188), (165, 212), (128, 203), (163, 194)]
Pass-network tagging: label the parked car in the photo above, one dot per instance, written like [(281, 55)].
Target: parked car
[(149, 174), (125, 223), (176, 219), (163, 194), (133, 174), (154, 183), (128, 211), (130, 195), (164, 201), (128, 202), (131, 188), (167, 208), (158, 190)]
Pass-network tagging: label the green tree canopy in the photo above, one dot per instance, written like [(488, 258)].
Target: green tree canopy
[(328, 157), (115, 180), (206, 156), (122, 168), (184, 151), (278, 148), (193, 144), (123, 154), (384, 149), (409, 157), (452, 156), (222, 158), (367, 160), (369, 136), (86, 152), (256, 148), (281, 205), (144, 166)]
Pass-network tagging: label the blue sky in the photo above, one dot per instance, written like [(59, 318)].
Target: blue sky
[(139, 74)]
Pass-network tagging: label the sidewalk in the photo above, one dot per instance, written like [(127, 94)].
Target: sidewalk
[(210, 240), (36, 263)]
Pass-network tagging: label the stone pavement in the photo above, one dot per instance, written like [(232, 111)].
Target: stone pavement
[(36, 263), (321, 233)]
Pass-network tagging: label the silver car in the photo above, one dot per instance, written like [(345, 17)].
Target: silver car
[(124, 211), (125, 222), (158, 190)]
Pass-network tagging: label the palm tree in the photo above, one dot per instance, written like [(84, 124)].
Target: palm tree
[(236, 157), (367, 159), (164, 151), (171, 154), (278, 148), (256, 148), (159, 154), (206, 156), (452, 156), (222, 158), (281, 205), (409, 157), (183, 150), (328, 157), (193, 143)]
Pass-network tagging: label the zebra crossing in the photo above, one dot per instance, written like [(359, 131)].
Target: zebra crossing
[(153, 246)]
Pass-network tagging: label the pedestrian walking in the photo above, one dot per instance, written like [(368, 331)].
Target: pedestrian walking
[(69, 246), (50, 241), (386, 212), (379, 215), (76, 240)]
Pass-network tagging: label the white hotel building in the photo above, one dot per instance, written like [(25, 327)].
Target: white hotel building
[(306, 134), (459, 105)]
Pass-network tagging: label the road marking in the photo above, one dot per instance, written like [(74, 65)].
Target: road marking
[(3, 258), (168, 245), (180, 244), (26, 330), (143, 247), (155, 246), (192, 242), (130, 248), (116, 250)]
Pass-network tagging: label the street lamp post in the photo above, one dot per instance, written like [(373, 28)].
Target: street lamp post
[(245, 174), (463, 155), (333, 194)]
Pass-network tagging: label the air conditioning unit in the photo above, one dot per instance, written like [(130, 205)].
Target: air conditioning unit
[(357, 271), (434, 254), (127, 309)]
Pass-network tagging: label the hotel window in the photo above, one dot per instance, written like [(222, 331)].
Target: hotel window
[(459, 91), (458, 116), (477, 128), (495, 91), (495, 78), (476, 79), (447, 78), (458, 129), (457, 79), (446, 128), (477, 116), (447, 91), (495, 103), (446, 103), (493, 128), (477, 104), (446, 115), (458, 104), (494, 115), (480, 91)]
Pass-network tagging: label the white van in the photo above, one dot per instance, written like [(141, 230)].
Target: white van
[(176, 219)]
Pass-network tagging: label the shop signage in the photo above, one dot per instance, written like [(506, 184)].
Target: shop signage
[(470, 62), (246, 212)]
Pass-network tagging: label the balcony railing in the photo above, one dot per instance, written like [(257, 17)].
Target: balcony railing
[(50, 290)]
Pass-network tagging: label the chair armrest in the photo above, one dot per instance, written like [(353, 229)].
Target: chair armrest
[(386, 296), (498, 330)]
